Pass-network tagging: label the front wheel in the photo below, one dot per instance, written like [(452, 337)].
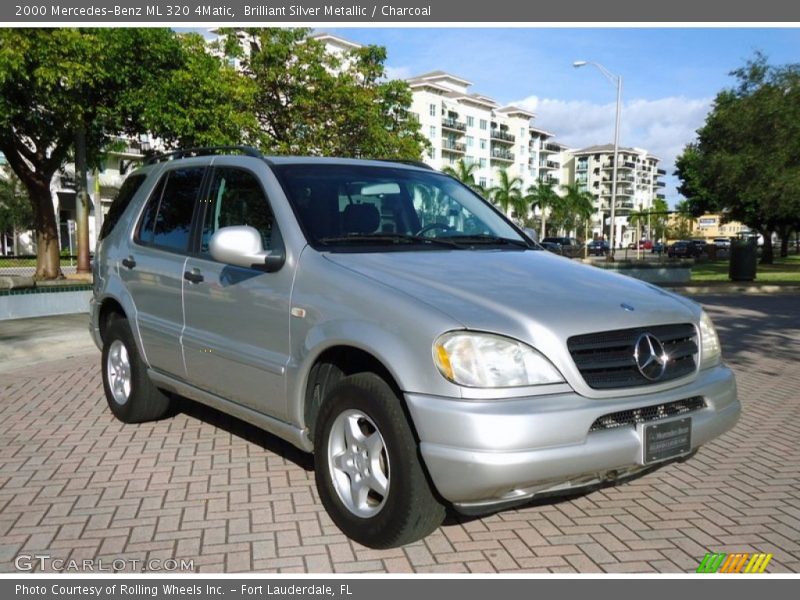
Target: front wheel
[(368, 469), (131, 395)]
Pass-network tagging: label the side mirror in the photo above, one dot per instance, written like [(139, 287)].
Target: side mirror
[(240, 245)]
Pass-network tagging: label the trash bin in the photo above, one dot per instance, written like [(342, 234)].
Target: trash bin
[(744, 255)]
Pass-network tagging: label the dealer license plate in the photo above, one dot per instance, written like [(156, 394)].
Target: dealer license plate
[(666, 440)]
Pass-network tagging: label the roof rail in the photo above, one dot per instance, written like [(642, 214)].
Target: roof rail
[(413, 163), (204, 151)]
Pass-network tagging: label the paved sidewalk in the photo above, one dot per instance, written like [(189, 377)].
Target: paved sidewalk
[(75, 483)]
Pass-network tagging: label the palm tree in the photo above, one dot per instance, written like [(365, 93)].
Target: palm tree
[(579, 205), (543, 197), (463, 172), (507, 194)]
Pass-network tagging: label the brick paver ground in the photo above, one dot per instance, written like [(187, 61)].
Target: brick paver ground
[(75, 483)]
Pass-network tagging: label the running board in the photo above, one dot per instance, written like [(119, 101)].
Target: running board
[(294, 435)]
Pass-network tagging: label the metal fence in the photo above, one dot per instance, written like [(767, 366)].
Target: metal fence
[(26, 264)]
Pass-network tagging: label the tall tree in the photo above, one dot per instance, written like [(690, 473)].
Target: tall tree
[(464, 172), (62, 85), (311, 101), (544, 197), (507, 194), (578, 206), (745, 161)]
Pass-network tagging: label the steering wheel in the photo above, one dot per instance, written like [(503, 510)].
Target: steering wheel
[(434, 226)]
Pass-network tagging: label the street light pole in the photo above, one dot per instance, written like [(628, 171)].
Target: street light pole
[(617, 80)]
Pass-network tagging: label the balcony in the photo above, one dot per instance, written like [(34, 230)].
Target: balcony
[(620, 179), (625, 165), (620, 192), (550, 180), (549, 164), (502, 136), (661, 171), (451, 146), (550, 148), (661, 197), (504, 155), (582, 166), (453, 125), (660, 184), (625, 205)]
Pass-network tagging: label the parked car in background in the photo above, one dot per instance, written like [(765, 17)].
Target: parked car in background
[(722, 243), (700, 246), (569, 246), (658, 248), (552, 247), (597, 248), (645, 244), (684, 249)]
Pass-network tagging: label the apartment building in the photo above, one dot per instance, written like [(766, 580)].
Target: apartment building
[(461, 124), (639, 184)]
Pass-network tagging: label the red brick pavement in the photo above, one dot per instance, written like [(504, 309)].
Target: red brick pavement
[(75, 483)]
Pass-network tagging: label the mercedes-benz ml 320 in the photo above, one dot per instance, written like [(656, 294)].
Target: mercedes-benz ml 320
[(391, 321)]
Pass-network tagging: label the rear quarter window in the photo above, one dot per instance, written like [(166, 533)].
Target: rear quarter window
[(126, 193)]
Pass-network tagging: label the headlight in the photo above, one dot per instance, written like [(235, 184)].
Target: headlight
[(710, 350), (489, 361)]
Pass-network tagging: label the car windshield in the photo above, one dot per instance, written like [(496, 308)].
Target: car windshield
[(376, 208)]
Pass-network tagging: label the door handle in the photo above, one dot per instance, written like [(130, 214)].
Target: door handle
[(128, 262), (194, 276)]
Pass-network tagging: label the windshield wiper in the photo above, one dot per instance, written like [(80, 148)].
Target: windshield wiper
[(489, 240), (389, 238)]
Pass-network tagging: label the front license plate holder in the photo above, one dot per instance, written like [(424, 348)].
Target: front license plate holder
[(666, 439)]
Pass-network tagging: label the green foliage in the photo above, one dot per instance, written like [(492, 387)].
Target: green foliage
[(745, 161), (507, 194), (311, 102), (463, 171), (15, 206), (573, 209), (544, 197)]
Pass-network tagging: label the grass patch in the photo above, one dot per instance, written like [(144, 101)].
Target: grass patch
[(784, 271)]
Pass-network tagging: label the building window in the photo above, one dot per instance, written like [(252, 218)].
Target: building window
[(433, 131), (470, 121), (432, 153), (522, 132), (484, 124), (432, 110), (468, 160), (482, 180), (522, 150), (483, 163), (484, 144), (470, 141), (452, 159)]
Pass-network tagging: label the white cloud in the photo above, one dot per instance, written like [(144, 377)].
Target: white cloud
[(662, 127), (397, 72)]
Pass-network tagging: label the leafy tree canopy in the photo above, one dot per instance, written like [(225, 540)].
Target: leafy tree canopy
[(746, 160)]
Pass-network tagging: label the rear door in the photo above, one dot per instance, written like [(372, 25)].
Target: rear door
[(236, 338), (153, 271)]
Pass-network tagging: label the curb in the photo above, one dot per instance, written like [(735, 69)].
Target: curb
[(733, 288)]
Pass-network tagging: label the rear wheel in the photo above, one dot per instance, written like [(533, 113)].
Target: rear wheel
[(368, 469), (131, 395)]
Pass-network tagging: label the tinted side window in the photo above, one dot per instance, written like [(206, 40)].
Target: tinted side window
[(236, 198), (170, 223), (126, 193)]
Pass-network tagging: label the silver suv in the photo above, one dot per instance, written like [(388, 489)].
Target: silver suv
[(386, 318)]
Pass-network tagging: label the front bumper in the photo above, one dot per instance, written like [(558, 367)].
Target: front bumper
[(481, 454)]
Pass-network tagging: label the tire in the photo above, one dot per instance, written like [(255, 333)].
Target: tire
[(364, 438), (130, 394)]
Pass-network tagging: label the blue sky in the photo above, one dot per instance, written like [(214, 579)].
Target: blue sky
[(670, 75)]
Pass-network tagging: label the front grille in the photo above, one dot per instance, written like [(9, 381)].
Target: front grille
[(605, 359), (626, 418)]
